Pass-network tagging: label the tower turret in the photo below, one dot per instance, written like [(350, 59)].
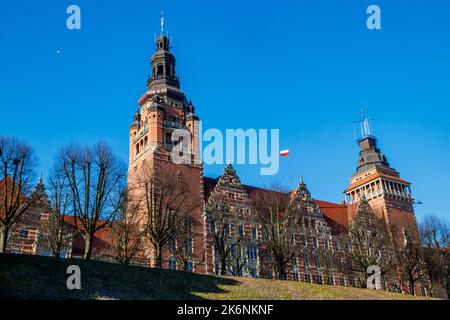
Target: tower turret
[(387, 193)]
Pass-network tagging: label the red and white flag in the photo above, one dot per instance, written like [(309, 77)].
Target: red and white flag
[(284, 153)]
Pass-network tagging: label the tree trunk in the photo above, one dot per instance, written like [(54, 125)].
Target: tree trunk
[(3, 238), (223, 266), (281, 271), (157, 255), (88, 243), (412, 290), (57, 252)]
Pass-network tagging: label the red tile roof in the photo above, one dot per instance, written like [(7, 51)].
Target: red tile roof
[(335, 215)]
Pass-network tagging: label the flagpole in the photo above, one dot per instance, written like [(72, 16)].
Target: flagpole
[(290, 169), (286, 153)]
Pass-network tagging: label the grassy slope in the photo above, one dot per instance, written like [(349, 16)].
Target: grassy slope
[(33, 277)]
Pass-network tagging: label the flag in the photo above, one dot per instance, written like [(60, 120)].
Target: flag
[(284, 153)]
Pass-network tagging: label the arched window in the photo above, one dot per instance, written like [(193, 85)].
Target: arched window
[(160, 70)]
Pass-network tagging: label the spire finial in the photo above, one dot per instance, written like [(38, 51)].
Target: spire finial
[(365, 124), (162, 22)]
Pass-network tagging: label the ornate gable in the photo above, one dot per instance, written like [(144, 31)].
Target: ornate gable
[(365, 214), (311, 216), (229, 186)]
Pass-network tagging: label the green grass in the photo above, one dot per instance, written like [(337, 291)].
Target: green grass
[(34, 277)]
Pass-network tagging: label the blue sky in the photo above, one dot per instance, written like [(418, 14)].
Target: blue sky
[(305, 67)]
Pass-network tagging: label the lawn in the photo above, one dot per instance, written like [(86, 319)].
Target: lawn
[(34, 277)]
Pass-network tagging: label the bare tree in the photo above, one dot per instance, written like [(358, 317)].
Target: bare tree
[(180, 245), (408, 256), (167, 201), (238, 259), (279, 222), (94, 176), (435, 236), (17, 165), (227, 241), (125, 236), (370, 243), (54, 234)]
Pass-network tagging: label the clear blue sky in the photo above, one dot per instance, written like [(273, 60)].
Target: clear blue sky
[(305, 67)]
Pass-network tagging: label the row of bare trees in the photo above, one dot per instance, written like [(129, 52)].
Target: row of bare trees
[(278, 223), (397, 252), (85, 181), (88, 184), (155, 207)]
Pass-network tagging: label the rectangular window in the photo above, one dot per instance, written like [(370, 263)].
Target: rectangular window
[(315, 243), (303, 240), (233, 252), (306, 260), (23, 233), (189, 266), (241, 231), (172, 244), (188, 246), (226, 229), (307, 277), (329, 262), (252, 253), (168, 138), (339, 264), (336, 245), (252, 272), (254, 233), (172, 264), (319, 279), (317, 262)]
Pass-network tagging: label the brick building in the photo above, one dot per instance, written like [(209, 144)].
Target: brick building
[(24, 235), (325, 247), (376, 191)]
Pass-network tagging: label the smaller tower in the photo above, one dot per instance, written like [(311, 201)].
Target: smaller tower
[(387, 193)]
